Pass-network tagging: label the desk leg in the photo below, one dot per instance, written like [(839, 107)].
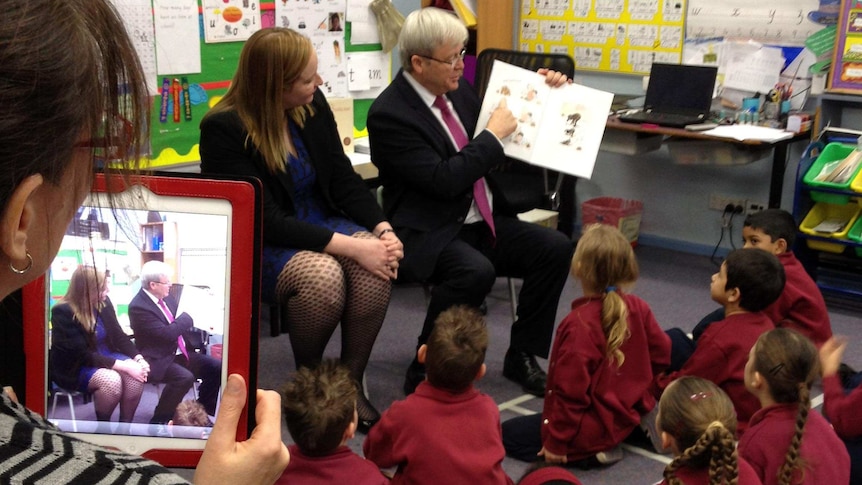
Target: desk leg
[(776, 183)]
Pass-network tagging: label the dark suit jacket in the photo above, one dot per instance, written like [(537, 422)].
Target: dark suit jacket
[(428, 183), (155, 337), (72, 347), (224, 150)]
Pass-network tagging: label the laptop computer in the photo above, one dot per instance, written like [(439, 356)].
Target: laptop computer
[(677, 95)]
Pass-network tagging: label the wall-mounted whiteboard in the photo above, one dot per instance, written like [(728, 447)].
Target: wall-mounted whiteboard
[(786, 22)]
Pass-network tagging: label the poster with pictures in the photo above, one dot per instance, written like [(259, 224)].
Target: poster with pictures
[(230, 20), (323, 22), (846, 75)]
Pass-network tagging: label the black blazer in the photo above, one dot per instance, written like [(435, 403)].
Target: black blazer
[(427, 182), (72, 347), (155, 337), (224, 150)]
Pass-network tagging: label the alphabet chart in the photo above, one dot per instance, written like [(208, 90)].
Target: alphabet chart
[(138, 19)]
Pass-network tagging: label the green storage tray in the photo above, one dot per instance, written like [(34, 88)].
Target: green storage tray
[(832, 152)]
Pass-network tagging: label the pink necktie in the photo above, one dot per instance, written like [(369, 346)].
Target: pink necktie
[(180, 342), (479, 194)]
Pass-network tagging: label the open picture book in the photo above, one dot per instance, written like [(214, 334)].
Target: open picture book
[(558, 128)]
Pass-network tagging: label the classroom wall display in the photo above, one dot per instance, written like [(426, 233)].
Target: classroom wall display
[(605, 35), (183, 93), (846, 71)]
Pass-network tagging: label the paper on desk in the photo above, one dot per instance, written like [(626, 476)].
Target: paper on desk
[(749, 132)]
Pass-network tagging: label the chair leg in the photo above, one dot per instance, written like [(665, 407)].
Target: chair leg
[(72, 412), (513, 299), (274, 320)]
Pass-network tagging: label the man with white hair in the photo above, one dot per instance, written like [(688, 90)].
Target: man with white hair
[(440, 196), (159, 337)]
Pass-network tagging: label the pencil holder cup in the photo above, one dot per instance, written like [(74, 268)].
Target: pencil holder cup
[(785, 106), (770, 110)]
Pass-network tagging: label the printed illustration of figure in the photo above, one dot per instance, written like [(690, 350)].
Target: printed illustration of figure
[(571, 123)]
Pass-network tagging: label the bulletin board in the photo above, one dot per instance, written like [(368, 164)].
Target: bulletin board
[(627, 36), (621, 36), (175, 143)]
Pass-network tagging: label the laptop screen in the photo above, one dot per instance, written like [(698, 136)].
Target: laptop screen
[(675, 88)]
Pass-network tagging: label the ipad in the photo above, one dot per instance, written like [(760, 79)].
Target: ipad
[(207, 230)]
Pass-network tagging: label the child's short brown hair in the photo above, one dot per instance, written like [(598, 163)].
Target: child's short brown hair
[(319, 404), (456, 348), (191, 413), (759, 276)]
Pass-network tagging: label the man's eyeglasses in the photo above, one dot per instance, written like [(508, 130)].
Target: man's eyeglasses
[(168, 283), (452, 62), (114, 143)]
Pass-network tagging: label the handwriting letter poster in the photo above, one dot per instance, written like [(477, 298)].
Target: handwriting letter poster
[(624, 36)]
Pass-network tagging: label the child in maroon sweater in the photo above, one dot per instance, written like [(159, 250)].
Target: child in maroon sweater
[(841, 406), (787, 442), (446, 431), (320, 410), (749, 281), (696, 421), (605, 354)]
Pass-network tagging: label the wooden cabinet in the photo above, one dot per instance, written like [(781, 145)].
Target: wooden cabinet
[(159, 243), (495, 22)]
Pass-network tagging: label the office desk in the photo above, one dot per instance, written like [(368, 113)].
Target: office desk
[(779, 148)]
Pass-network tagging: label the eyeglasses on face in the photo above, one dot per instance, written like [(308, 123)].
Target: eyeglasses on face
[(114, 142), (451, 62)]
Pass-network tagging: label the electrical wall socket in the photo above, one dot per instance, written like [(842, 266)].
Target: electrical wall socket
[(754, 207), (718, 202)]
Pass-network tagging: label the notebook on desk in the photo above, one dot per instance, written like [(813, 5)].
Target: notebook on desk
[(677, 95)]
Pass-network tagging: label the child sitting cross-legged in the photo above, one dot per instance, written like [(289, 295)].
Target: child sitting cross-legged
[(749, 281), (320, 410), (446, 431), (606, 353)]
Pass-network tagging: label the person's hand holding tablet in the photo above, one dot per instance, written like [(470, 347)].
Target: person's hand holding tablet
[(260, 459)]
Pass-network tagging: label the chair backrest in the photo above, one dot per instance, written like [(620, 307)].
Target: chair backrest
[(528, 60)]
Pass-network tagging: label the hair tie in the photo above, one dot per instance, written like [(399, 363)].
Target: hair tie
[(610, 289), (715, 424)]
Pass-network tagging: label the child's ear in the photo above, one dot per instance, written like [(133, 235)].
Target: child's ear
[(780, 246), (350, 431), (733, 295), (421, 353), (481, 372), (757, 381), (667, 441)]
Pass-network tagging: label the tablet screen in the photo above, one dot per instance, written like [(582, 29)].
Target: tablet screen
[(112, 245)]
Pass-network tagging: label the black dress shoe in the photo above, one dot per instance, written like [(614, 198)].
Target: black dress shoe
[(415, 375), (368, 416), (521, 367)]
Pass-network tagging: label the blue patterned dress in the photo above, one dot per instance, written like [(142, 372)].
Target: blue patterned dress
[(102, 347), (310, 207)]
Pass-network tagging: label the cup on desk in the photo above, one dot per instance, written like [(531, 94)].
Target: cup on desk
[(785, 107), (751, 104), (771, 110)]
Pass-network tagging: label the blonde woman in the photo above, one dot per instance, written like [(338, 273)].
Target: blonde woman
[(91, 353)]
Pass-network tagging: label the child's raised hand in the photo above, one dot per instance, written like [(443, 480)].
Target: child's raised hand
[(830, 355), (552, 458)]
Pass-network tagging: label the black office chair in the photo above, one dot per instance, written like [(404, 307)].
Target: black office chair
[(526, 186)]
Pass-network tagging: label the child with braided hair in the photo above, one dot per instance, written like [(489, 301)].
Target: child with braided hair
[(787, 442), (696, 421), (605, 354)]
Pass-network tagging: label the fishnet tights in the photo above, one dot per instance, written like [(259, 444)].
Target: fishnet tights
[(318, 291), (110, 388)]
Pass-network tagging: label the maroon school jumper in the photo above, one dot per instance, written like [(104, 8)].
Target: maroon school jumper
[(768, 438), (591, 405), (340, 466), (843, 410), (800, 306), (720, 356), (437, 437), (700, 476)]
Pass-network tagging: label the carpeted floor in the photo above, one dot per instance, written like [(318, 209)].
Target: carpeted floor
[(676, 286)]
